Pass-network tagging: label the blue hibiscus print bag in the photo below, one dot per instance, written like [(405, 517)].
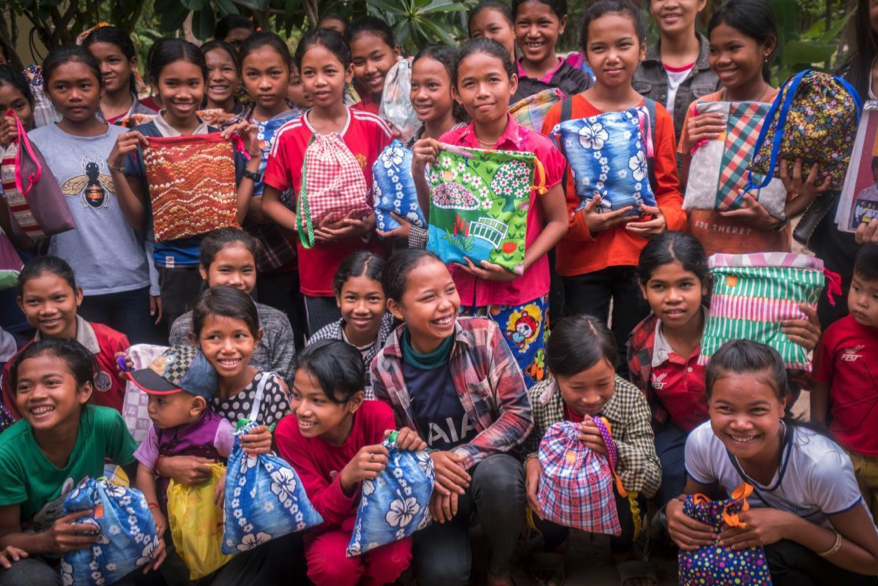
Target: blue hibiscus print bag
[(264, 499), (127, 537), (396, 504), (394, 188)]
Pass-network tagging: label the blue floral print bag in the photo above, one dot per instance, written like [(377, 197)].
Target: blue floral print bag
[(610, 155), (394, 188), (127, 537), (264, 499), (396, 504)]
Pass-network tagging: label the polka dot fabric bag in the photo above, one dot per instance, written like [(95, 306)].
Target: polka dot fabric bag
[(714, 565)]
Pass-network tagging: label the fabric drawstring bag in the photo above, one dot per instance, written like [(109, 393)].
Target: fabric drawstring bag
[(531, 111), (859, 196), (718, 170), (394, 188), (333, 185), (396, 503), (754, 293), (610, 155), (127, 536), (714, 565), (396, 104), (478, 205), (576, 484), (192, 187), (196, 523), (264, 498), (33, 194)]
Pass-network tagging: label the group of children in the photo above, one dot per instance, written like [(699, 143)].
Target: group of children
[(364, 331)]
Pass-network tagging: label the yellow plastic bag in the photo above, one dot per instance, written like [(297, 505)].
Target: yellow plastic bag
[(197, 525)]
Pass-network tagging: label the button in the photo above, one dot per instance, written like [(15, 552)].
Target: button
[(689, 369)]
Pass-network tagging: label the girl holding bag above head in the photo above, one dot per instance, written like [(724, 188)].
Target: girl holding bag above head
[(179, 72), (325, 158), (373, 53), (484, 82), (597, 258), (805, 510)]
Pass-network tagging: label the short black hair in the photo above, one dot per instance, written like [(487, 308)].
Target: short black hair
[(671, 246), (327, 38), (12, 76), (866, 263), (746, 356), (40, 265), (80, 361), (579, 342), (399, 265), (604, 7), (488, 47), (215, 241), (559, 7), (230, 22), (753, 18), (358, 264), (261, 39), (226, 302), (498, 5), (217, 45), (336, 366)]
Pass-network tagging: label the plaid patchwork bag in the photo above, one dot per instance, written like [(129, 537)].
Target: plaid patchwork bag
[(394, 188), (576, 484), (753, 294), (333, 185), (532, 110), (713, 565), (718, 171)]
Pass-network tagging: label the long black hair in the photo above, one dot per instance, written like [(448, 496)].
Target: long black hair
[(603, 7), (579, 342), (396, 272), (80, 361), (858, 67), (669, 247), (12, 76), (445, 56), (115, 36), (40, 265), (488, 47), (65, 54), (327, 38), (753, 18), (167, 51), (226, 302), (358, 264), (337, 367)]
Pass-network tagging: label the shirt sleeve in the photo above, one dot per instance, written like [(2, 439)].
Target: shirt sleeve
[(667, 181), (639, 466), (224, 438), (277, 167), (13, 490), (699, 459), (283, 348), (832, 485), (553, 163), (148, 452), (119, 443)]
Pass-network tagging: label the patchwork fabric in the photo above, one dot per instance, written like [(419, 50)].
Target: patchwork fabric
[(394, 188), (127, 536), (718, 176), (609, 157), (396, 104), (192, 188), (576, 484), (532, 110), (478, 205), (714, 565), (264, 499), (753, 294), (396, 503), (813, 118)]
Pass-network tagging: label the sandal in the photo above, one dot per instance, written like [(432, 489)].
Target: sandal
[(634, 569)]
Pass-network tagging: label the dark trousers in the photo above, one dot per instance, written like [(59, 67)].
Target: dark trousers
[(442, 553), (281, 291), (794, 565), (320, 311), (40, 571), (670, 447), (180, 288), (592, 293), (279, 562), (126, 312)]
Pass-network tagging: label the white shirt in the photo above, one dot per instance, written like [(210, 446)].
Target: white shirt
[(675, 78), (815, 478)]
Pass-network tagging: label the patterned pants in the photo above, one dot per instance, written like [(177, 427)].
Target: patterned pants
[(526, 329)]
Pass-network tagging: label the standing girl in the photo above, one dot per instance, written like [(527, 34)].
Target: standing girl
[(538, 25), (108, 256), (806, 509), (223, 81), (373, 53), (325, 63), (15, 95), (115, 53), (484, 81), (493, 19), (179, 73), (455, 382), (597, 258)]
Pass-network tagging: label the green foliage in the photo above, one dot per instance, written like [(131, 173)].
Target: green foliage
[(418, 23)]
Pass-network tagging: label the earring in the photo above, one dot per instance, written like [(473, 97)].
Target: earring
[(765, 60)]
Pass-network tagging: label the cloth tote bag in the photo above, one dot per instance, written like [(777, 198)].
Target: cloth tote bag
[(35, 200), (396, 104), (396, 503), (718, 170), (859, 196), (532, 110), (753, 294), (479, 202), (394, 188), (192, 187)]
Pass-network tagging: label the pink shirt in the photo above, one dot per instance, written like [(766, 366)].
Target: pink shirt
[(546, 78), (534, 283)]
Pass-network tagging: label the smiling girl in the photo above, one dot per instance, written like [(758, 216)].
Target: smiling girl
[(223, 78), (373, 53), (493, 19)]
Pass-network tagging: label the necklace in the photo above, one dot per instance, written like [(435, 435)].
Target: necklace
[(487, 144)]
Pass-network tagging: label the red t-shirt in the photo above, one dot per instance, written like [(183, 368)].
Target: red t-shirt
[(848, 359), (366, 135), (318, 463), (679, 384), (104, 342)]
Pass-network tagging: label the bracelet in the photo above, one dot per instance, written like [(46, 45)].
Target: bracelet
[(835, 547), (118, 168), (153, 505)]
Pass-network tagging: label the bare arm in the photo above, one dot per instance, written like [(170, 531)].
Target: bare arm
[(275, 210)]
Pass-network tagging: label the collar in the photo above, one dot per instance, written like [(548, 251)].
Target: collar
[(661, 349), (85, 335), (307, 115), (393, 346), (166, 129), (654, 52), (513, 136)]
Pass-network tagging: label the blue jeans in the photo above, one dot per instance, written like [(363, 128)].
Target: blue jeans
[(670, 447)]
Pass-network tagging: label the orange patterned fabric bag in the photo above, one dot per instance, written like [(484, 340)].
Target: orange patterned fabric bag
[(192, 188)]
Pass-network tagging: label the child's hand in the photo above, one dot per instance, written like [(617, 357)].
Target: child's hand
[(450, 475), (258, 441), (803, 187), (488, 271), (707, 126), (248, 133), (764, 528), (369, 462), (532, 473), (590, 435), (686, 532), (8, 132), (753, 214), (129, 364), (62, 537), (649, 228), (867, 233), (424, 152), (602, 221), (219, 493), (161, 523), (804, 332), (158, 556), (9, 555), (443, 507), (405, 228), (351, 225), (126, 144), (186, 470), (408, 440)]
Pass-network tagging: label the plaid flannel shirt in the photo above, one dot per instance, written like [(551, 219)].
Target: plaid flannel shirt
[(629, 417), (641, 344), (488, 382)]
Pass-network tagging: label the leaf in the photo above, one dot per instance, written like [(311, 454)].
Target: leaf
[(832, 33), (808, 52), (225, 7), (442, 8), (172, 18), (445, 37), (203, 23), (193, 4)]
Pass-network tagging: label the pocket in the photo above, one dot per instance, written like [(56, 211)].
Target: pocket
[(641, 87)]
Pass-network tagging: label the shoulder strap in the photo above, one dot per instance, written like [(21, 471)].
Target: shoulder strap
[(303, 215), (612, 456), (566, 114), (260, 391), (650, 161)]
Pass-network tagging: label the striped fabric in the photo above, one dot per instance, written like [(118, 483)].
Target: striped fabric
[(753, 294)]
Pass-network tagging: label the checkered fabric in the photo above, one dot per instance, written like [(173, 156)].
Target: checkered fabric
[(178, 365), (576, 484), (742, 130)]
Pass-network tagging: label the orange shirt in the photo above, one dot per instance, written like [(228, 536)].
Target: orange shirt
[(580, 252)]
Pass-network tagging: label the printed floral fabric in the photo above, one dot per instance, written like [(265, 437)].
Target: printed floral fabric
[(396, 503), (609, 157), (394, 188), (264, 500), (127, 536), (478, 206), (531, 111)]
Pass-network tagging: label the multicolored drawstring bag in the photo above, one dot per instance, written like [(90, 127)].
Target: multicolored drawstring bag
[(479, 203), (396, 503), (127, 537), (396, 104), (394, 188), (714, 565), (532, 110)]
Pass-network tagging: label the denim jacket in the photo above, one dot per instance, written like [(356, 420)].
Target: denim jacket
[(651, 81)]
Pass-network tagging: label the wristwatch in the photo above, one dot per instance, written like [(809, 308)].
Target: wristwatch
[(256, 177)]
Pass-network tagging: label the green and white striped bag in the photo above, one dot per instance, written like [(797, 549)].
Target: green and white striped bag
[(753, 294)]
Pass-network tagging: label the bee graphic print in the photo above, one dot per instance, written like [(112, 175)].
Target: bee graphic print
[(94, 187)]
